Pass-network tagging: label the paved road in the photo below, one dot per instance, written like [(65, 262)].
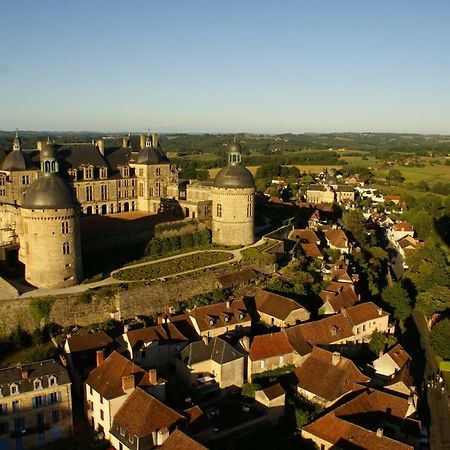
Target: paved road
[(438, 404)]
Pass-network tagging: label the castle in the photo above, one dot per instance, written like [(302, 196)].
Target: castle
[(45, 192)]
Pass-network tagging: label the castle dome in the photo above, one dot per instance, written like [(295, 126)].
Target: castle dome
[(151, 155), (16, 160), (50, 191), (234, 176)]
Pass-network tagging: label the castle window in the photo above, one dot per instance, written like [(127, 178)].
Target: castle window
[(52, 381), (73, 173), (125, 172), (158, 189), (64, 227), (151, 192), (103, 173), (2, 181), (25, 179), (14, 389), (104, 192), (141, 189), (158, 171), (66, 248), (88, 173), (249, 210), (219, 210), (89, 195), (2, 192), (37, 384)]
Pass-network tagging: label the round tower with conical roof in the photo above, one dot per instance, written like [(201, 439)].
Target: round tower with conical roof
[(50, 245), (233, 202)]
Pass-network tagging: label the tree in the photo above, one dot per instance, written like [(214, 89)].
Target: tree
[(435, 299), (395, 175), (40, 309), (440, 338), (397, 298), (354, 222), (379, 341)]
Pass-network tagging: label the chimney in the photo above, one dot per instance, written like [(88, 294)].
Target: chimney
[(125, 142), (99, 357), (24, 375), (380, 311), (227, 303), (344, 312), (205, 339), (101, 146), (380, 432), (142, 140), (153, 376), (335, 358), (155, 140), (128, 384), (245, 342)]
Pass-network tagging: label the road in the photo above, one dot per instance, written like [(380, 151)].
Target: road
[(438, 404)]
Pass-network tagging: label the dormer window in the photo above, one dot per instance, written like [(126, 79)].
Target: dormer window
[(73, 173), (103, 173), (211, 322), (226, 319), (52, 381), (122, 431), (37, 384), (241, 315), (88, 172), (14, 388), (125, 172), (131, 438)]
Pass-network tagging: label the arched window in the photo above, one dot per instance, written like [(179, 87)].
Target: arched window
[(219, 210), (66, 248)]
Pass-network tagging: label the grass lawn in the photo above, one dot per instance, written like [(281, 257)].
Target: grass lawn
[(172, 266), (27, 355)]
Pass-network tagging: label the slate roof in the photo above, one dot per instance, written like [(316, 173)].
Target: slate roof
[(91, 341), (345, 188), (106, 379), (25, 374), (151, 155), (316, 187), (329, 381), (275, 305), (216, 349), (234, 176), (142, 414), (17, 160)]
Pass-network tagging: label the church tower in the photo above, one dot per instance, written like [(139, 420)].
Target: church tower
[(50, 245), (233, 202)]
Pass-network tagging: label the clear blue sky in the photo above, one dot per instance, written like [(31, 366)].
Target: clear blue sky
[(234, 65)]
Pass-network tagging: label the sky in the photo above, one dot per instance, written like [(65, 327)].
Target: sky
[(225, 66)]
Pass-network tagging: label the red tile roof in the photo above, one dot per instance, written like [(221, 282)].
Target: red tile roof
[(106, 379), (180, 441), (399, 355), (336, 237), (142, 414), (304, 235), (164, 333), (275, 305), (328, 380), (339, 295), (269, 345), (90, 341), (403, 226), (311, 250), (363, 312)]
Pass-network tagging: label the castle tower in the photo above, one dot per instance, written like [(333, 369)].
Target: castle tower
[(50, 243), (233, 202), (154, 172)]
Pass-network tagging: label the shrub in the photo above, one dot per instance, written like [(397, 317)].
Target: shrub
[(40, 309)]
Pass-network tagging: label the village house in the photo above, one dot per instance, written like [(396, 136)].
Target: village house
[(35, 405), (337, 240), (279, 311), (392, 361), (211, 364), (326, 377), (336, 296), (110, 384), (142, 422), (154, 346), (80, 351), (319, 193), (237, 279), (181, 441), (400, 230), (269, 352), (220, 318), (372, 420), (273, 400), (408, 244)]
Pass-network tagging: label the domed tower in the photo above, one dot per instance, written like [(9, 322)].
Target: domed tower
[(233, 202), (51, 244)]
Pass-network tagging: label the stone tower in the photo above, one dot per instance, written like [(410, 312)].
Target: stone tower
[(50, 245), (233, 202)]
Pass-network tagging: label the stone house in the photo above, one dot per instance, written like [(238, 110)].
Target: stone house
[(337, 240), (155, 346), (392, 361), (35, 405), (326, 377), (142, 422), (273, 400), (279, 311), (205, 364)]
